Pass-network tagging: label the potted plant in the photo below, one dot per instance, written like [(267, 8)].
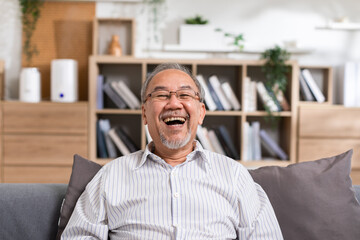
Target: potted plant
[(275, 70), (155, 12), (30, 79)]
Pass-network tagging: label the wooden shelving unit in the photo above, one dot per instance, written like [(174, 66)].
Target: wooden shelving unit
[(133, 72)]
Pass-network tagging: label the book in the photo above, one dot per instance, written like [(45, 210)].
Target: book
[(128, 94), (130, 144), (209, 102), (215, 83), (215, 98), (100, 92), (280, 96), (273, 97), (305, 90), (245, 134), (104, 125), (227, 142), (256, 145), (118, 142), (203, 138), (266, 98), (230, 95), (115, 98), (319, 96), (121, 93), (215, 142), (273, 145), (100, 142), (250, 100)]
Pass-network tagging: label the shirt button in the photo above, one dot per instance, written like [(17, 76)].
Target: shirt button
[(173, 173), (176, 195)]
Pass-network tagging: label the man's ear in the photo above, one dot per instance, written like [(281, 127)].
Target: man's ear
[(202, 113), (143, 113)]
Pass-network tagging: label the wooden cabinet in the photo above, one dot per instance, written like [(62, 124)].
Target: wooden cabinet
[(326, 131), (133, 72), (40, 139)]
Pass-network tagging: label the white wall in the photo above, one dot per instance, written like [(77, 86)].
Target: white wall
[(264, 23)]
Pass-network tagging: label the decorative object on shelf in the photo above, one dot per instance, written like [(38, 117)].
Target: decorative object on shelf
[(30, 10), (155, 12), (275, 70), (114, 47), (30, 85), (64, 80), (196, 20), (236, 39)]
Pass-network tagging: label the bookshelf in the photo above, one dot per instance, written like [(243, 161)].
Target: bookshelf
[(133, 72), (323, 76)]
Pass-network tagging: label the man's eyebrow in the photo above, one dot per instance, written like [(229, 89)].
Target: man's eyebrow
[(158, 88)]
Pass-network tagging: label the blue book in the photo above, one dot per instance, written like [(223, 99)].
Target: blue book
[(100, 142), (219, 106), (100, 92)]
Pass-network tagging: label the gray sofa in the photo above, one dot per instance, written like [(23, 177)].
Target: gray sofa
[(31, 211)]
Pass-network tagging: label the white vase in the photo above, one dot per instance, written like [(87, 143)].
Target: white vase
[(30, 85)]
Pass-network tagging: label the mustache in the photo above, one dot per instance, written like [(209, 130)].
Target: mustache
[(171, 113)]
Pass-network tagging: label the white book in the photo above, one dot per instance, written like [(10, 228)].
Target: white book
[(231, 96), (148, 136), (215, 142), (266, 98), (120, 91), (256, 140), (203, 139), (249, 95), (129, 94), (305, 90), (118, 142), (206, 134), (350, 75), (215, 83), (253, 96), (208, 99), (319, 96), (245, 134), (105, 127)]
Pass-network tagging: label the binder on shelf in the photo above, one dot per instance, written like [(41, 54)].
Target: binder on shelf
[(226, 142), (215, 83), (231, 96), (250, 100), (215, 142), (100, 92), (273, 145), (100, 142), (256, 145), (208, 99), (115, 98), (118, 142), (266, 98), (130, 144), (134, 102), (219, 106), (319, 96), (305, 90)]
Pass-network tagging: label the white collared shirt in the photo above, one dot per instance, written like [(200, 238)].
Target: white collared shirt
[(140, 196)]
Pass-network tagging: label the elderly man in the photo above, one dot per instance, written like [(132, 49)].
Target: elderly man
[(174, 189)]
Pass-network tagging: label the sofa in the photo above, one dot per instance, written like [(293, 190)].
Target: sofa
[(34, 211)]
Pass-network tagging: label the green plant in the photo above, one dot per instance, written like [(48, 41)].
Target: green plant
[(30, 10), (155, 9), (238, 39), (275, 70), (196, 20)]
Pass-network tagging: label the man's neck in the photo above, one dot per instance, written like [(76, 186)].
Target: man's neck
[(174, 156)]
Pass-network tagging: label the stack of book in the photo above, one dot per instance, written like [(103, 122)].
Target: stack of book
[(254, 138), (112, 140), (309, 89), (118, 92), (219, 95), (218, 140)]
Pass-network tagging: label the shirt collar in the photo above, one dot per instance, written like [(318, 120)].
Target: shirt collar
[(198, 150)]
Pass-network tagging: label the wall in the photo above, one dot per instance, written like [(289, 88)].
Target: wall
[(264, 23)]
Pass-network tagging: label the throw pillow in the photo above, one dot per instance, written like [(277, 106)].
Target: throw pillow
[(83, 171), (313, 200)]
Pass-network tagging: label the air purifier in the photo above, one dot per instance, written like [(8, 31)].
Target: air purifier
[(30, 85), (64, 80)]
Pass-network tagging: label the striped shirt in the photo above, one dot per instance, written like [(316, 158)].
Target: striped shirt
[(140, 196)]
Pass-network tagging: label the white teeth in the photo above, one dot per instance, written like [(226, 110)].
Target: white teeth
[(174, 119)]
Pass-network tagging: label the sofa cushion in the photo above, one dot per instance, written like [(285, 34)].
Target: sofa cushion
[(30, 211), (83, 171), (313, 200)]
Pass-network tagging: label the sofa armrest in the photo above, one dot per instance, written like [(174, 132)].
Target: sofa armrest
[(30, 211)]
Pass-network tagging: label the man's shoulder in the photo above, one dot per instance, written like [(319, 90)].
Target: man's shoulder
[(217, 159), (128, 161)]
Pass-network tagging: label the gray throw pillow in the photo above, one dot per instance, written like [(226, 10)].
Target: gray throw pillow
[(313, 200), (83, 171)]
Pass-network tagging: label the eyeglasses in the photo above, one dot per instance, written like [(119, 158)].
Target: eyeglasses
[(182, 95)]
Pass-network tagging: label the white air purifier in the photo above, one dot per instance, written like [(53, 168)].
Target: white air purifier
[(64, 80)]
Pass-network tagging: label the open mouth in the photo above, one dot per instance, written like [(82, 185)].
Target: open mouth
[(174, 120)]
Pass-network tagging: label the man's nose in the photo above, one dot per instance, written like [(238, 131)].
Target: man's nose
[(173, 100)]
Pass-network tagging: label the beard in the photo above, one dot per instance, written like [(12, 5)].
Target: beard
[(175, 143)]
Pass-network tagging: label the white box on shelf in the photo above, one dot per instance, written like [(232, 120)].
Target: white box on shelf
[(203, 36)]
